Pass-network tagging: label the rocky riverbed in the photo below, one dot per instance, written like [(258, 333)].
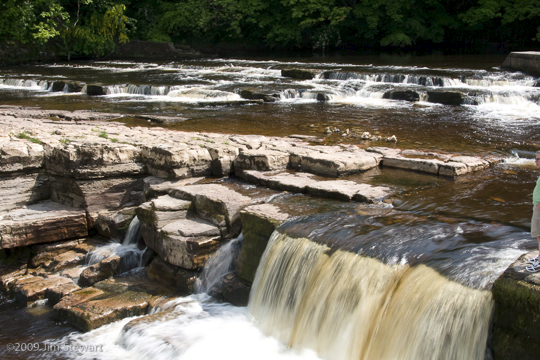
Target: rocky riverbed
[(72, 181)]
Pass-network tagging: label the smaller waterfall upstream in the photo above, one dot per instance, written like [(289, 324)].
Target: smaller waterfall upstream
[(219, 265), (346, 306), (128, 250)]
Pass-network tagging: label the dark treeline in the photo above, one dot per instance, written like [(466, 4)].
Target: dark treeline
[(92, 28)]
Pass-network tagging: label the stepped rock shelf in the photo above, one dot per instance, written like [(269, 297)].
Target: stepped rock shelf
[(69, 185)]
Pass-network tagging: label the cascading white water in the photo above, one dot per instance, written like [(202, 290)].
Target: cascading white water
[(345, 306), (128, 251), (219, 265)]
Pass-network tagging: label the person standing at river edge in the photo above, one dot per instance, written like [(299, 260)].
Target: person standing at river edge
[(535, 221)]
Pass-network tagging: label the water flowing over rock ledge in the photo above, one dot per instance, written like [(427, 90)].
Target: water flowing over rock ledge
[(63, 181)]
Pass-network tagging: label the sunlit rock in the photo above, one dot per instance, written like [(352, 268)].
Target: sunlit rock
[(93, 160), (34, 288), (178, 161), (216, 203), (55, 294), (46, 221), (17, 155), (187, 243), (333, 163), (261, 160), (100, 271)]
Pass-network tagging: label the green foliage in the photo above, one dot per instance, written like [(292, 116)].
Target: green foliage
[(103, 134), (26, 136)]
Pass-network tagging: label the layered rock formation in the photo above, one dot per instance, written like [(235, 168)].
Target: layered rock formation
[(66, 180)]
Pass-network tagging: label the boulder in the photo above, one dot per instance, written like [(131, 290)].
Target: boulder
[(104, 269), (255, 94), (93, 90), (187, 243), (299, 74), (258, 224), (235, 290), (9, 276), (516, 321), (216, 203), (44, 222), (57, 86), (407, 95), (73, 86), (178, 161), (445, 97)]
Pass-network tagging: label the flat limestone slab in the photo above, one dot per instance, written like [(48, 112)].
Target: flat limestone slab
[(43, 222), (187, 243), (344, 190), (333, 163), (36, 287), (215, 203), (452, 166)]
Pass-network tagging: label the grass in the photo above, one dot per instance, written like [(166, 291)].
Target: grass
[(65, 141), (24, 135), (103, 134)]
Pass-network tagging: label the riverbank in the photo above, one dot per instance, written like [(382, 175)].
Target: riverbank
[(69, 175)]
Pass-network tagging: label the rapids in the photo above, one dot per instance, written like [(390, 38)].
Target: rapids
[(342, 281)]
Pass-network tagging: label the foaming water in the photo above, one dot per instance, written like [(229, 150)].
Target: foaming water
[(128, 250), (345, 306), (194, 327)]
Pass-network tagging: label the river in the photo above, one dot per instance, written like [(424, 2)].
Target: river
[(456, 235)]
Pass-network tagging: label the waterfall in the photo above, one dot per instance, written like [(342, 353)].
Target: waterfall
[(128, 250), (219, 265), (345, 306)]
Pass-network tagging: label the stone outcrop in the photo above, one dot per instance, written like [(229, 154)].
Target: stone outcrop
[(516, 319), (299, 74), (216, 203), (40, 223), (109, 301), (105, 269), (526, 61), (445, 97), (259, 222), (406, 95), (332, 162)]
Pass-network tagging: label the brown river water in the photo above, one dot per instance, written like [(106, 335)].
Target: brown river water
[(468, 230)]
